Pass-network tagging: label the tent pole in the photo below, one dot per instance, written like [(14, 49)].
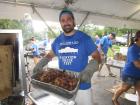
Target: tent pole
[(131, 35), (136, 12), (131, 32), (34, 10), (84, 19), (128, 37)]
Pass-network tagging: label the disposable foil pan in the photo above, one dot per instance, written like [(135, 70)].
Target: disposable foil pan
[(42, 97), (56, 89)]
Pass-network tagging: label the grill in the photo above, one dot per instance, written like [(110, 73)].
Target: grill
[(12, 71)]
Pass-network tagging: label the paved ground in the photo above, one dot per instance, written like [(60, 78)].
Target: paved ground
[(100, 95), (99, 85)]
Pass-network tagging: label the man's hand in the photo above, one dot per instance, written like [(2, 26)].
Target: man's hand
[(44, 61), (39, 66), (88, 72)]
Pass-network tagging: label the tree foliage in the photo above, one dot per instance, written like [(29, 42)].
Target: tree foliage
[(16, 24), (93, 30), (28, 32), (27, 29), (10, 24)]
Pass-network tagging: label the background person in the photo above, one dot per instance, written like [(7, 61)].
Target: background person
[(35, 50), (105, 44), (45, 43), (131, 71), (97, 40)]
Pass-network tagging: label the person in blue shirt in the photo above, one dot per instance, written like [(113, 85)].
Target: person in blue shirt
[(131, 71), (45, 43), (72, 47), (105, 44), (97, 40), (35, 50)]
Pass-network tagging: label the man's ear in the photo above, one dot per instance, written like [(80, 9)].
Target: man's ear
[(74, 23)]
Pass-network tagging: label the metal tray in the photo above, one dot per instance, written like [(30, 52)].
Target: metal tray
[(56, 89), (42, 97)]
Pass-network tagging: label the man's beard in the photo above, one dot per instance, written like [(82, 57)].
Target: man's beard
[(68, 29)]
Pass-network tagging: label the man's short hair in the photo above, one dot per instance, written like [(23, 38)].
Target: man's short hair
[(137, 35), (32, 39), (113, 34), (66, 11)]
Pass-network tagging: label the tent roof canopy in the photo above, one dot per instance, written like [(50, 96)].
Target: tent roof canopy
[(115, 13)]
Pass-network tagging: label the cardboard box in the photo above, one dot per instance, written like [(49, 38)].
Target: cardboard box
[(5, 71)]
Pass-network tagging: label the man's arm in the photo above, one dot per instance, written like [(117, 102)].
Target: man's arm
[(110, 45), (44, 61), (50, 55), (96, 56), (137, 63), (112, 49)]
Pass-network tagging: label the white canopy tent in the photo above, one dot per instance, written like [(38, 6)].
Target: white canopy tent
[(116, 13)]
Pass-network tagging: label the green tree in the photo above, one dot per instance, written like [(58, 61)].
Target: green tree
[(27, 32), (89, 29), (10, 24), (119, 31), (98, 32)]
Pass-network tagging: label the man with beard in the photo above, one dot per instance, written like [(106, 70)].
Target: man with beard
[(72, 47)]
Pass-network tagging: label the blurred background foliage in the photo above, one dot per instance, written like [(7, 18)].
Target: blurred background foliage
[(28, 31)]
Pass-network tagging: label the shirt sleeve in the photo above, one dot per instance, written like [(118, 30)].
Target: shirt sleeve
[(90, 46)]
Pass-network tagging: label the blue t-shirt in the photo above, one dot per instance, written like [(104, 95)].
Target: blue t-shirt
[(36, 49), (133, 54), (45, 42), (105, 43), (73, 51), (97, 42)]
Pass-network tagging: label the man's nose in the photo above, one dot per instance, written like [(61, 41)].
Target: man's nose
[(66, 23)]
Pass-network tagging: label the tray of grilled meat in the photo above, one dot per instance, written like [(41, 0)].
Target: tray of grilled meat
[(64, 83)]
